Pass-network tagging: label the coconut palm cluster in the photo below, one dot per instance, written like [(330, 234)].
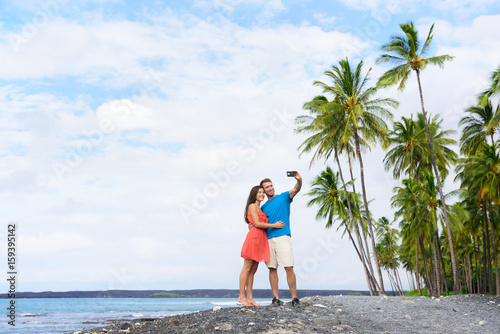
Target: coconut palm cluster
[(446, 242)]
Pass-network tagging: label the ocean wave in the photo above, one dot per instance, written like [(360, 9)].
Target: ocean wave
[(137, 315), (32, 322), (224, 303), (31, 314)]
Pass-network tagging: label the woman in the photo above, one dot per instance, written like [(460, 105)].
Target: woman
[(256, 247)]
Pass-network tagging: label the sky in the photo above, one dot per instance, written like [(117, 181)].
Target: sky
[(132, 132)]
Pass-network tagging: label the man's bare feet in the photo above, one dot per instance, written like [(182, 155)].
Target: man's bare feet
[(243, 301)]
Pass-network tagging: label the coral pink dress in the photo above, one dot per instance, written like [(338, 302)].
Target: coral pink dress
[(256, 246)]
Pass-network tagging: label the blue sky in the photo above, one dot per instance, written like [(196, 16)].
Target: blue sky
[(133, 131)]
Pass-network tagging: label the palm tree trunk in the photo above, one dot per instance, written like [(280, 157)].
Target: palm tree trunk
[(484, 270), (488, 254), (369, 282), (394, 267), (495, 257), (433, 269), (417, 275), (370, 279), (411, 280), (391, 282), (368, 259), (368, 218), (438, 181), (478, 273), (445, 281), (465, 274), (437, 269), (469, 266), (398, 281), (427, 278)]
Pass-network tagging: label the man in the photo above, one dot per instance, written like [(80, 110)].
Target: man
[(277, 208)]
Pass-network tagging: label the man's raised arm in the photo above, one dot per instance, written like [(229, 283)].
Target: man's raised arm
[(298, 185)]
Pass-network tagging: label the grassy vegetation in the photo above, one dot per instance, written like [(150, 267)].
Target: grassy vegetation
[(168, 295), (355, 294), (414, 293)]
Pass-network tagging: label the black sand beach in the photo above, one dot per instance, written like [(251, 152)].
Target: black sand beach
[(335, 314)]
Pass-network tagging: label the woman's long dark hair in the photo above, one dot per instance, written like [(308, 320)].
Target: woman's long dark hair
[(251, 199)]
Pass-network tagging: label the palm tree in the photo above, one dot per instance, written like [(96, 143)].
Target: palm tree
[(494, 89), (429, 212), (410, 150), (444, 156), (333, 206), (388, 249), (485, 167), (326, 194), (409, 55), (479, 124), (407, 144), (413, 229), (361, 115), (327, 137), (495, 81)]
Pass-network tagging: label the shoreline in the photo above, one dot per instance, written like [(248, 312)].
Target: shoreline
[(334, 314), (193, 293)]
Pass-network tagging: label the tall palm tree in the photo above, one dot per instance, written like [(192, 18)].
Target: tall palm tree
[(429, 212), (326, 194), (480, 177), (485, 167), (494, 89), (326, 129), (409, 149), (409, 55), (364, 116), (413, 228), (327, 136), (444, 155), (387, 244), (333, 206), (407, 143), (495, 81), (479, 125)]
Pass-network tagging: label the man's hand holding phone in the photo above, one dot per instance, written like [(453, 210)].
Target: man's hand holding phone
[(298, 186), (294, 173)]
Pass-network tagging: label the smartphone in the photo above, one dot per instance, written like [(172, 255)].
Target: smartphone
[(290, 174)]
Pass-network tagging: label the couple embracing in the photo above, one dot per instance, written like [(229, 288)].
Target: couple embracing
[(268, 240)]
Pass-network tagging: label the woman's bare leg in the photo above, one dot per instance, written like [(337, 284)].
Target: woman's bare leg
[(245, 273), (249, 284)]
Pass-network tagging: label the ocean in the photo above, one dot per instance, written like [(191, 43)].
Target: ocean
[(67, 315)]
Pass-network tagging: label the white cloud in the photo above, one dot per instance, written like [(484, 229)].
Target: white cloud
[(55, 242), (461, 7), (324, 20), (226, 8)]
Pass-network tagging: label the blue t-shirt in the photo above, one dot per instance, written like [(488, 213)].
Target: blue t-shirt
[(278, 209)]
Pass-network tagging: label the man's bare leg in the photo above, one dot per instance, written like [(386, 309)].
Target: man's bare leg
[(273, 279), (292, 281)]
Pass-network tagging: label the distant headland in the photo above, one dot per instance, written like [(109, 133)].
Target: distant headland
[(197, 293)]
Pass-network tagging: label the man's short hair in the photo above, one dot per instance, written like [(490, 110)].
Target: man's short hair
[(264, 181)]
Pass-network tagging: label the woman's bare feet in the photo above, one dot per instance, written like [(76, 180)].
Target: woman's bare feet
[(253, 302), (243, 301)]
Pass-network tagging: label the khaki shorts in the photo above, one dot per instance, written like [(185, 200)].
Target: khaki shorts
[(281, 252)]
